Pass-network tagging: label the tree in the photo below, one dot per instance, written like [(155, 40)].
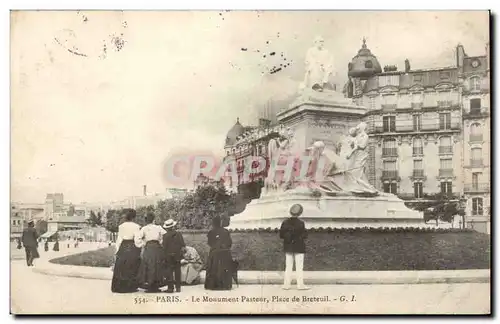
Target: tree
[(113, 220), (442, 207), (95, 220)]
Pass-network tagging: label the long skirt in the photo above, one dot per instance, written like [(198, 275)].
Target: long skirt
[(190, 273), (56, 246), (126, 268), (152, 269), (219, 274)]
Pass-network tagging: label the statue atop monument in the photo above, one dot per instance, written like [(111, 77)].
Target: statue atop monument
[(319, 67)]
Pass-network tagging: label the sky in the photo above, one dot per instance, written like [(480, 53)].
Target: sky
[(99, 100)]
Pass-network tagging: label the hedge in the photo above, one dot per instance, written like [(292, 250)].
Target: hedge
[(342, 250)]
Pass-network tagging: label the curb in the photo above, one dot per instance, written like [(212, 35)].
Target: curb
[(310, 277)]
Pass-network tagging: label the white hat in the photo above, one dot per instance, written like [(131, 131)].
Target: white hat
[(169, 223)]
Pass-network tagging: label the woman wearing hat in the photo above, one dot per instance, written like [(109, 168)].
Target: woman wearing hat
[(220, 267), (293, 233), (151, 271), (127, 258), (173, 247)]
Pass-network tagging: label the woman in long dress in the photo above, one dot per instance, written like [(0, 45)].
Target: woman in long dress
[(127, 258), (152, 269), (191, 266), (220, 261), (56, 245)]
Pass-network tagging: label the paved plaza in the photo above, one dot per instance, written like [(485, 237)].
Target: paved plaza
[(35, 293)]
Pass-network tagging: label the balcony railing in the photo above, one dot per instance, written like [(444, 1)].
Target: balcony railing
[(445, 103), (418, 150), (390, 151), (418, 173), (445, 149), (476, 163), (475, 113), (389, 106), (476, 187), (417, 105), (446, 172), (392, 174), (476, 138)]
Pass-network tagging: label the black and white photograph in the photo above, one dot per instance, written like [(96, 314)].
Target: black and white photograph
[(250, 162)]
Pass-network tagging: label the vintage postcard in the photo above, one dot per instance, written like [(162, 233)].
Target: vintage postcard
[(250, 162)]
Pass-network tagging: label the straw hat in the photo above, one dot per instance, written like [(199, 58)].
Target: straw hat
[(296, 210), (169, 223)]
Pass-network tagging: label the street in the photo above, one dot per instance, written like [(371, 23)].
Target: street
[(33, 293)]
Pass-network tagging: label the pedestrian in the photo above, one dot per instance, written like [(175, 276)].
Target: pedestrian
[(220, 266), (127, 255), (46, 245), (173, 247), (30, 242), (293, 233), (152, 268), (19, 244), (56, 245), (191, 266)]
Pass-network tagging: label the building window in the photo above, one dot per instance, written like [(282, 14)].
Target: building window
[(444, 121), (389, 123), (475, 180), (417, 78), (390, 171), (418, 189), (417, 100), (476, 159), (475, 106), (476, 133), (446, 188), (446, 168), (417, 123), (445, 146), (477, 206), (368, 64), (475, 84), (389, 102), (418, 147), (373, 102), (391, 187), (390, 148), (418, 168)]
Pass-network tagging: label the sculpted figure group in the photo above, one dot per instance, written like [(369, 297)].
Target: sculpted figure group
[(330, 172)]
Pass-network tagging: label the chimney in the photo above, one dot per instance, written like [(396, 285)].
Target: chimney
[(407, 65), (144, 190)]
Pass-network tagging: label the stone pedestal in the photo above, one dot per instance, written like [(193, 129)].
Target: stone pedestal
[(385, 210), (320, 116)]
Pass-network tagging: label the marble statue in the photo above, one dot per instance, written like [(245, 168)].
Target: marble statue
[(279, 149), (342, 173), (319, 67)]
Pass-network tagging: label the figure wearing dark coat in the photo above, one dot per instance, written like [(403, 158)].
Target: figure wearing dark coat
[(220, 261), (293, 232), (173, 246), (30, 243)]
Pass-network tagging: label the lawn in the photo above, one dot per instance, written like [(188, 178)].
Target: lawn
[(341, 251)]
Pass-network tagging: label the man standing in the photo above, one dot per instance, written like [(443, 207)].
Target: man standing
[(30, 242), (293, 232), (173, 245)]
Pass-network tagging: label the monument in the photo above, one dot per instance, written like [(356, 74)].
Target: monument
[(326, 138)]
